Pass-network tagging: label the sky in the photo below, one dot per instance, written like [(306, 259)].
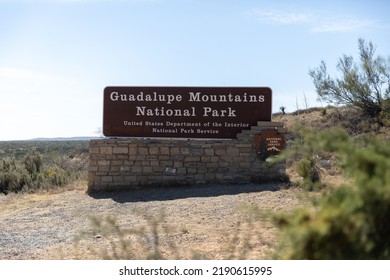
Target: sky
[(57, 56)]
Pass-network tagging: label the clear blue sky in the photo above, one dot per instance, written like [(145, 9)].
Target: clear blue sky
[(56, 56)]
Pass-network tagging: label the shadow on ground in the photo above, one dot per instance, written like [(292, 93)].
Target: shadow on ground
[(172, 193)]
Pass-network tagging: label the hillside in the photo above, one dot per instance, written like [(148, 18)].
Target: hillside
[(348, 118)]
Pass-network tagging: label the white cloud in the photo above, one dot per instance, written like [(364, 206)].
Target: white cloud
[(341, 25), (282, 17), (316, 22)]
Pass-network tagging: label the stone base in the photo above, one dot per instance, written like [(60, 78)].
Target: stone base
[(131, 163)]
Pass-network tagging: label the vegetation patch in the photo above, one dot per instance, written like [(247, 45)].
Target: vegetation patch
[(30, 166)]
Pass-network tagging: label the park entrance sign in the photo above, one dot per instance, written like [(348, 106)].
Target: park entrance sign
[(190, 136), (184, 112)]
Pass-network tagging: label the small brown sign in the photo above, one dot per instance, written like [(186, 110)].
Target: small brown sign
[(184, 112), (269, 143)]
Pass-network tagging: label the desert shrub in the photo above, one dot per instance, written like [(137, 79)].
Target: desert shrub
[(12, 176), (75, 167), (365, 85), (33, 163), (352, 221), (32, 166), (308, 170), (56, 176), (305, 156)]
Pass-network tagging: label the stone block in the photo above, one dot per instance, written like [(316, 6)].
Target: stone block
[(147, 169), (118, 179), (125, 168), (93, 168), (192, 159), (163, 158), (205, 159), (175, 151), (166, 162), (154, 150), (106, 150), (177, 164), (181, 170), (192, 170), (177, 157), (117, 162), (190, 164), (196, 151), (136, 169), (130, 179), (220, 152), (245, 164), (114, 168), (185, 151), (164, 150), (94, 150), (106, 179), (104, 162), (209, 176), (232, 152), (200, 178), (120, 150), (215, 159), (133, 150), (141, 158), (158, 169), (143, 151), (202, 170)]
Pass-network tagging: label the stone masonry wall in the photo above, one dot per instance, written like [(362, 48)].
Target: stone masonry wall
[(131, 163)]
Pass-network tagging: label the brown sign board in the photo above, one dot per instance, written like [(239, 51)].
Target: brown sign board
[(184, 112), (269, 143)]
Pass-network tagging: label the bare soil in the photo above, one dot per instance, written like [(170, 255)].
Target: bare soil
[(213, 222)]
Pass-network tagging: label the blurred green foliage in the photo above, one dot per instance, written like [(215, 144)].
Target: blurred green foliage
[(352, 222)]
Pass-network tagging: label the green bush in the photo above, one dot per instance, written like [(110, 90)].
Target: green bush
[(33, 163), (25, 168), (12, 178), (304, 155), (365, 85), (57, 176), (353, 221)]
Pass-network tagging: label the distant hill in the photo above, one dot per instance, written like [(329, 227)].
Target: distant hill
[(79, 138)]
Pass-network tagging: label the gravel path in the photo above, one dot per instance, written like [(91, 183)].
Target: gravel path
[(45, 226)]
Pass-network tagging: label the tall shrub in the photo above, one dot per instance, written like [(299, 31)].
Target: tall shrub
[(365, 84), (12, 176)]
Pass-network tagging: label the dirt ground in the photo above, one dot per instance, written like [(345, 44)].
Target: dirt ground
[(213, 222)]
